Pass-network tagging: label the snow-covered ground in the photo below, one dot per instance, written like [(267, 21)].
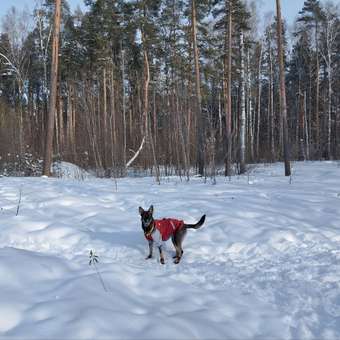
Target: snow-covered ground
[(266, 264)]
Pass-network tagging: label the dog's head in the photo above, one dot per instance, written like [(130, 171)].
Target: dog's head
[(147, 219)]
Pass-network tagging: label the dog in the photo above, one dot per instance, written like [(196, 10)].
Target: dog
[(159, 231)]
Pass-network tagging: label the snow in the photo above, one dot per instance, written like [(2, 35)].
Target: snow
[(69, 170), (266, 264)]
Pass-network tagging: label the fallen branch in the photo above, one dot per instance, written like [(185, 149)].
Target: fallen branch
[(136, 154)]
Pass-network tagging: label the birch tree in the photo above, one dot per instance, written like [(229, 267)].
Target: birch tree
[(16, 26), (331, 27), (243, 107), (199, 113)]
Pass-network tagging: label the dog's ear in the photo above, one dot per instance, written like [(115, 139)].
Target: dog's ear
[(141, 210), (151, 209)]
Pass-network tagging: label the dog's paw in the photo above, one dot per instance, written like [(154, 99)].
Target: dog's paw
[(177, 260), (162, 261), (175, 256), (148, 257)]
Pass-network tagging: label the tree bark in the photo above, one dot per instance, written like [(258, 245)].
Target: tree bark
[(301, 141), (243, 109), (199, 127), (307, 130), (148, 132), (283, 100), (271, 104), (250, 119), (53, 91), (317, 95), (259, 90), (329, 108), (104, 118), (124, 107), (227, 86)]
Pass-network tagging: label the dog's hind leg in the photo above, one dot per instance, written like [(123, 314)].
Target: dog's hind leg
[(161, 254), (178, 240), (175, 246)]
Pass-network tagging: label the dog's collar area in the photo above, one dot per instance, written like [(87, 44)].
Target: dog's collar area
[(147, 223), (148, 233)]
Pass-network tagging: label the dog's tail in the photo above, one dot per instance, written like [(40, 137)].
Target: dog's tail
[(197, 225)]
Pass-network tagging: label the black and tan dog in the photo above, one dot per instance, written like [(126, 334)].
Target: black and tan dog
[(159, 231)]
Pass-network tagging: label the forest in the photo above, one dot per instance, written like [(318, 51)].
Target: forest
[(235, 112), (168, 87)]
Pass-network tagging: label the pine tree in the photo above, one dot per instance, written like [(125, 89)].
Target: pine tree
[(311, 16), (283, 99), (53, 91)]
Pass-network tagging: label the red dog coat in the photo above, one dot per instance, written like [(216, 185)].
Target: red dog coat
[(167, 227)]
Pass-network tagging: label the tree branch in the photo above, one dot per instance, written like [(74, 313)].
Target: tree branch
[(136, 154)]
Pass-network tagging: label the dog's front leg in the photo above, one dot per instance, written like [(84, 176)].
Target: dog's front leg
[(150, 250), (161, 254)]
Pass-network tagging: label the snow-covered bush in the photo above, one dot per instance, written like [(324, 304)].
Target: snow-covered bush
[(69, 170), (20, 165)]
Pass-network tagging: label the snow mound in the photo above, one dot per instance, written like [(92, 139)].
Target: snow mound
[(69, 170)]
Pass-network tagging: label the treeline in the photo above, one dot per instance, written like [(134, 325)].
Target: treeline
[(190, 84)]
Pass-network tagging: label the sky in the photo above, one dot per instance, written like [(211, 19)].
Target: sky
[(290, 8), (6, 4)]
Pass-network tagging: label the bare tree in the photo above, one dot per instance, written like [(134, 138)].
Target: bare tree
[(16, 25), (331, 32)]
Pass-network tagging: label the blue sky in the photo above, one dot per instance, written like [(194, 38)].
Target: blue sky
[(290, 8), (6, 4)]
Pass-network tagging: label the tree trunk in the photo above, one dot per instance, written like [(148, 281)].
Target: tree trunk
[(53, 91), (148, 131), (199, 127), (259, 90), (307, 130), (124, 108), (250, 119), (317, 95), (243, 109), (227, 86), (329, 108), (21, 119), (302, 155), (271, 104), (104, 125), (283, 101)]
